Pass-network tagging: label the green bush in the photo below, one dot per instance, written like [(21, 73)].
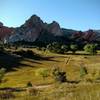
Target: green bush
[(43, 72), (83, 71)]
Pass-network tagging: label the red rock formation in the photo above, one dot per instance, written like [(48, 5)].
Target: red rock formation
[(89, 35), (5, 31), (78, 34)]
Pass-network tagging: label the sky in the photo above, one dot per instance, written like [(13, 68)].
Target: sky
[(70, 14)]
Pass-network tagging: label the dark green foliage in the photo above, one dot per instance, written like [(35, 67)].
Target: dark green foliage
[(28, 53), (74, 47), (29, 84), (59, 75), (64, 48), (61, 48), (55, 47)]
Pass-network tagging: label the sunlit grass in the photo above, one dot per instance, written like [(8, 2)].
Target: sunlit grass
[(68, 91)]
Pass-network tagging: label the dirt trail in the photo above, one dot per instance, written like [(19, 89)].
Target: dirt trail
[(42, 86)]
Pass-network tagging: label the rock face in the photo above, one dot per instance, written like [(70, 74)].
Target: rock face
[(5, 31), (88, 36), (28, 31), (32, 29), (55, 29)]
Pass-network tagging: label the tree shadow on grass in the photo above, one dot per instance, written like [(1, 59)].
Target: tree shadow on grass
[(31, 55), (11, 61)]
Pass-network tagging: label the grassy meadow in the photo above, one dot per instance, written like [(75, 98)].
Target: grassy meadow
[(24, 70)]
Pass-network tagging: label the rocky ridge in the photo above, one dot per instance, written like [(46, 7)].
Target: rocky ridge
[(35, 29)]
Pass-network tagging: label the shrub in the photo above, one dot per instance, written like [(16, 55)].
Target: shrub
[(43, 72), (59, 75), (83, 71), (29, 84)]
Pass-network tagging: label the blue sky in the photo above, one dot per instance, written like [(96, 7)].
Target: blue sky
[(71, 14)]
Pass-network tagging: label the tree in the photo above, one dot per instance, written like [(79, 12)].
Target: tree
[(90, 48), (74, 48), (49, 46), (64, 48), (54, 47), (2, 73)]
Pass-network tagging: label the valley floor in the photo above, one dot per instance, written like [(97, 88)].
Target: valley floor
[(26, 70)]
